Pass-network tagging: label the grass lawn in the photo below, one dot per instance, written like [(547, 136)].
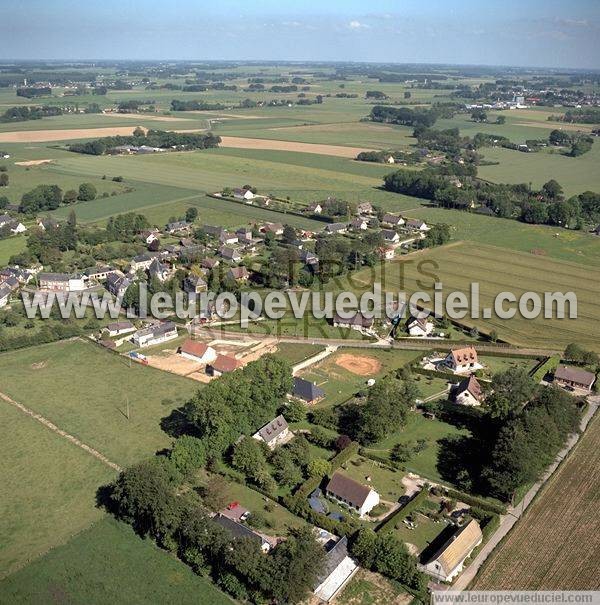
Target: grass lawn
[(84, 390), (109, 563), (368, 588), (423, 463), (48, 489), (386, 482), (10, 246), (425, 532), (430, 385), (297, 352), (494, 365)]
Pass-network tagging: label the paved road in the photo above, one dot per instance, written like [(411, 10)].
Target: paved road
[(514, 513)]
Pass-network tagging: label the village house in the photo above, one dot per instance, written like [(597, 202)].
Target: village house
[(212, 230), (307, 391), (337, 228), (222, 365), (576, 378), (274, 228), (244, 234), (419, 327), (194, 284), (243, 194), (393, 220), (352, 494), (119, 328), (10, 281), (360, 224), (150, 235), (197, 351), (337, 570), (142, 261), (97, 273), (463, 360), (61, 282), (159, 270), (357, 321), (235, 511), (274, 432), (468, 392), (386, 252), (364, 208), (309, 258), (14, 225), (209, 263), (230, 253), (117, 283), (445, 564), (178, 227), (314, 208), (239, 531), (390, 236), (47, 223), (239, 274), (415, 224), (5, 293), (228, 238), (155, 334)]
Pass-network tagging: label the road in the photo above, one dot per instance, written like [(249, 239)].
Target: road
[(515, 513)]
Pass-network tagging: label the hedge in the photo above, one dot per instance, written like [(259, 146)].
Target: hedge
[(545, 366), (483, 503), (406, 510)]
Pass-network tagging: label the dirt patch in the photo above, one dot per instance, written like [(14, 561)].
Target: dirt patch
[(369, 587), (178, 365), (42, 136), (33, 162), (145, 116), (559, 125), (333, 150), (358, 364), (40, 365)]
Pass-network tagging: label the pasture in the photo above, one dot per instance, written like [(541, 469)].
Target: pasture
[(48, 488), (496, 270), (552, 533), (109, 563), (85, 390)]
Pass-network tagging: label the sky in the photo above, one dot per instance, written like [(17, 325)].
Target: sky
[(541, 33)]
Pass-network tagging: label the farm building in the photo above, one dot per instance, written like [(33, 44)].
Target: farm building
[(120, 327), (463, 360), (468, 392), (336, 228), (448, 561), (307, 391), (155, 334), (61, 282), (197, 351), (576, 378), (336, 572), (352, 494), (243, 194), (238, 531), (222, 364), (273, 433)]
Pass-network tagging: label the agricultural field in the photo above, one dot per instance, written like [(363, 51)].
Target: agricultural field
[(459, 264), (551, 534), (86, 391), (109, 563)]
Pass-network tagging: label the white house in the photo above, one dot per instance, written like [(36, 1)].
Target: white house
[(395, 220), (360, 224), (415, 224), (390, 236), (61, 282), (337, 571), (243, 194), (155, 334), (387, 252), (352, 494), (17, 227), (314, 208), (463, 360), (468, 392), (197, 351), (445, 564), (273, 433), (419, 327), (119, 328), (5, 292)]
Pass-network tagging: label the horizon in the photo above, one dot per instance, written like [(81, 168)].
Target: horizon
[(543, 35)]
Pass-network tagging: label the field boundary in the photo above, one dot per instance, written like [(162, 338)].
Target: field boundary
[(50, 425)]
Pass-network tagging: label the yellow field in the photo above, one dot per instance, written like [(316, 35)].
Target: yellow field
[(556, 544)]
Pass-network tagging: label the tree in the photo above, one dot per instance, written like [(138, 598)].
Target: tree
[(289, 234), (534, 212), (188, 454), (319, 467), (407, 94), (479, 115), (216, 493), (294, 411), (552, 190), (249, 458), (139, 132), (559, 137), (191, 214), (401, 453), (287, 471), (70, 196), (3, 202), (87, 192), (510, 391), (501, 120), (4, 179), (342, 442)]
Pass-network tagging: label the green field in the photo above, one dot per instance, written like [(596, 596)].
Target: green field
[(48, 488), (109, 563), (85, 390), (458, 265), (10, 246)]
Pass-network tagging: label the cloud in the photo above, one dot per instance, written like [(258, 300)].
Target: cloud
[(356, 25)]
